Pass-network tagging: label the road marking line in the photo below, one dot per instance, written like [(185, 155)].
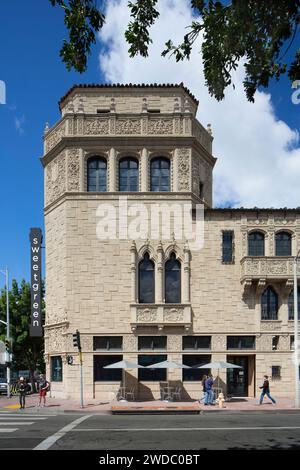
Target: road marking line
[(9, 430), (23, 417), (264, 428), (47, 443), (19, 423)]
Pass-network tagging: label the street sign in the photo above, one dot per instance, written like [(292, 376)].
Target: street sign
[(36, 280)]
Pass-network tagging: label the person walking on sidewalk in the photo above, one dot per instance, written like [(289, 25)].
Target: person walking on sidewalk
[(266, 390), (43, 387), (22, 389)]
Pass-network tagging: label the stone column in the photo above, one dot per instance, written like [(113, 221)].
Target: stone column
[(144, 171), (112, 170), (186, 275), (159, 277), (133, 272)]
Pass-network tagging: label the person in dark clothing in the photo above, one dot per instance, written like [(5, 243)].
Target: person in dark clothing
[(204, 378), (266, 390), (209, 399), (22, 387)]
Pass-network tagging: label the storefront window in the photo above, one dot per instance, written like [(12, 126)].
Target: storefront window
[(107, 375), (194, 360), (151, 375)]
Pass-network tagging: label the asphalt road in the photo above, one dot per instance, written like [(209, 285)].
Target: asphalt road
[(78, 431)]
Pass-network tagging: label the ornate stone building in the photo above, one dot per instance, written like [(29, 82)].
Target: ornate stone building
[(154, 298)]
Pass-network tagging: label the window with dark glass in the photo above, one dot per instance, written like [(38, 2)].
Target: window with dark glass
[(56, 369), (292, 342), (152, 343), (96, 174), (201, 190), (146, 280), (283, 243), (107, 375), (128, 175), (196, 342), (151, 375), (269, 304), (108, 343), (276, 372), (160, 174), (275, 343), (291, 304), (256, 244), (194, 360), (240, 342), (172, 280), (227, 246)]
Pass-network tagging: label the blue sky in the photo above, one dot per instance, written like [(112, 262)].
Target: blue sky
[(31, 35)]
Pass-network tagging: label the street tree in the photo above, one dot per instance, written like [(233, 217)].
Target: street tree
[(27, 351), (261, 33)]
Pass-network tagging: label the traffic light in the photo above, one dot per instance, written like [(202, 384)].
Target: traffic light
[(76, 340), (8, 345)]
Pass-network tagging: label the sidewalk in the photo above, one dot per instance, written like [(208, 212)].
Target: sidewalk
[(58, 405)]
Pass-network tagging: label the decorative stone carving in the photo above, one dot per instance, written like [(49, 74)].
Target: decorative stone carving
[(130, 343), (128, 126), (270, 325), (263, 342), (173, 315), (160, 126), (146, 315), (183, 169), (219, 342), (73, 170), (178, 126), (55, 340), (96, 126), (55, 178), (54, 137)]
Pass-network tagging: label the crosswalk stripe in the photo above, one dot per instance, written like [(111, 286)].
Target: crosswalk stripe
[(14, 423), (8, 430)]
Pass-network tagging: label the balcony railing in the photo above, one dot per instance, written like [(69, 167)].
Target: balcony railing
[(267, 267), (91, 125), (161, 315)]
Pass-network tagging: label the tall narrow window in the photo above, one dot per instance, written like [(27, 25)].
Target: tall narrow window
[(256, 244), (96, 174), (291, 304), (283, 244), (227, 246), (129, 175), (269, 304), (146, 281), (173, 280), (160, 174)]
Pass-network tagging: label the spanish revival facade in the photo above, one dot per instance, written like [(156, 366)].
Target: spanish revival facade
[(152, 299)]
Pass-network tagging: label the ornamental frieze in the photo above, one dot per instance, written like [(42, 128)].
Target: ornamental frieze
[(96, 126), (146, 315), (128, 126), (130, 343), (183, 169), (55, 137), (173, 315), (270, 326), (55, 178), (160, 126)]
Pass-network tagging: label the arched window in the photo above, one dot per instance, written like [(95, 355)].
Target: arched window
[(256, 244), (283, 244), (146, 281), (160, 174), (96, 174), (269, 304), (173, 280), (128, 175), (291, 304)]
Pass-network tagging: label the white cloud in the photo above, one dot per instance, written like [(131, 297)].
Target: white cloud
[(258, 155), (19, 123)]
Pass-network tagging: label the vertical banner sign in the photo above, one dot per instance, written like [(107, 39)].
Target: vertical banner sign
[(36, 279)]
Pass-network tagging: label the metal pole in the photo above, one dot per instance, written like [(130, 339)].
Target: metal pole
[(81, 380), (296, 342), (7, 332)]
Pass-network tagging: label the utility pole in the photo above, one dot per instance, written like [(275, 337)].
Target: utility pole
[(5, 273), (296, 328)]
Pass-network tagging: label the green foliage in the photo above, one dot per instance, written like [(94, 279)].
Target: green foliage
[(82, 19), (27, 351), (258, 32)]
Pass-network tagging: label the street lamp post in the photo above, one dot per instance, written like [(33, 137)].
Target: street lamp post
[(5, 272), (296, 341)]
